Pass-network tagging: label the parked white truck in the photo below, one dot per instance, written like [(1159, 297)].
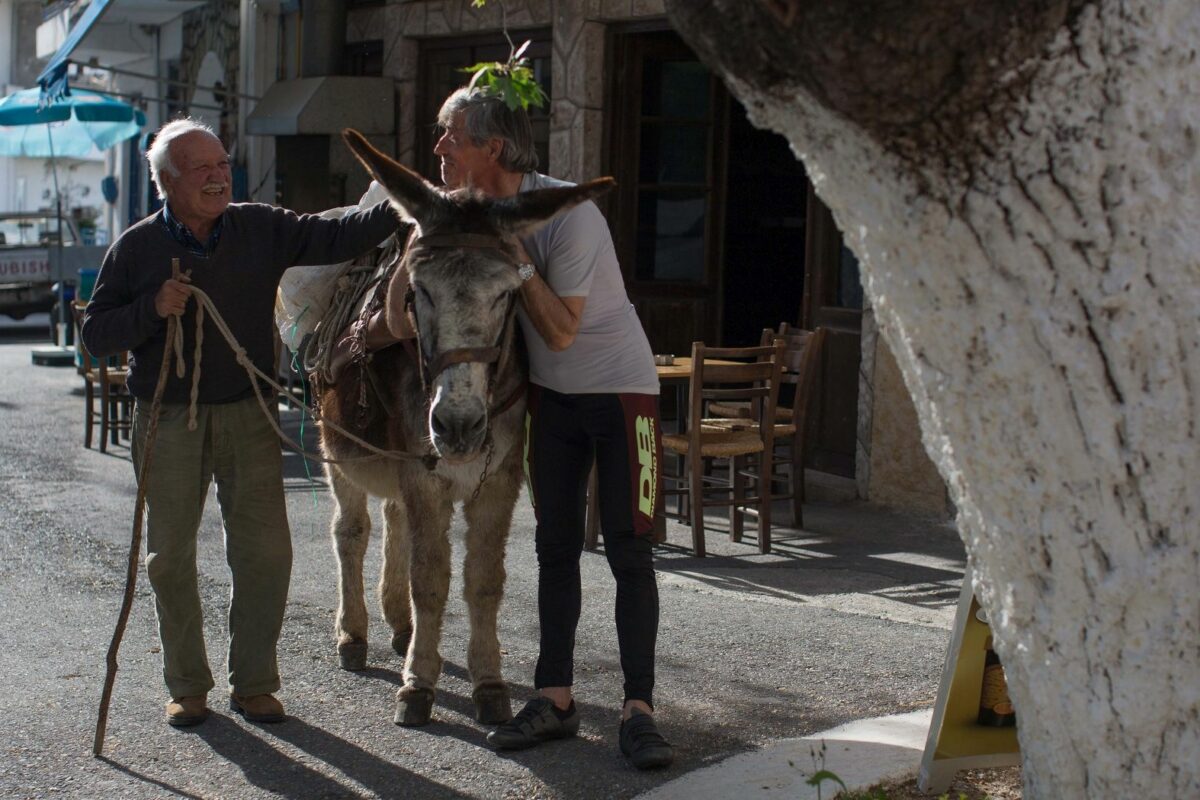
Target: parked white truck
[(31, 262)]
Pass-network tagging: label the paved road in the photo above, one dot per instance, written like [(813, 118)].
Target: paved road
[(848, 619)]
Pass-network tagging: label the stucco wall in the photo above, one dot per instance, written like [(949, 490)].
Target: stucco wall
[(892, 468)]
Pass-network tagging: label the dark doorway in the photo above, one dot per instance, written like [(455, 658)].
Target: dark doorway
[(668, 156), (765, 206), (719, 232), (302, 174)]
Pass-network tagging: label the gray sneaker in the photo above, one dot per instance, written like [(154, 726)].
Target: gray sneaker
[(534, 724)]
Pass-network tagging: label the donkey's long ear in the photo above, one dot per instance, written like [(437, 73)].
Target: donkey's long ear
[(525, 212), (414, 195)]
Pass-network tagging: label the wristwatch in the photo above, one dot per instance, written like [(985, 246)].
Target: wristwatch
[(526, 271)]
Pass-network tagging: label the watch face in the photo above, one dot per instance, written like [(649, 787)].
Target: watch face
[(525, 271)]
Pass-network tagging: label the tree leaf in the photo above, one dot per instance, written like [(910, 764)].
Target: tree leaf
[(820, 776), (512, 81)]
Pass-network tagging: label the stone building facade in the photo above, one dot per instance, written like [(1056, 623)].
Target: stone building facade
[(889, 464), (577, 61)]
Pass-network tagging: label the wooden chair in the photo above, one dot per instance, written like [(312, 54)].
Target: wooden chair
[(801, 366), (115, 412), (752, 378)]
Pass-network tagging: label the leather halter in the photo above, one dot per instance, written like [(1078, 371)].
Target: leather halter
[(483, 241), (492, 356)]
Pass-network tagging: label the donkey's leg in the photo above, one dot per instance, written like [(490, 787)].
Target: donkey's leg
[(427, 508), (351, 531), (489, 518), (394, 590)]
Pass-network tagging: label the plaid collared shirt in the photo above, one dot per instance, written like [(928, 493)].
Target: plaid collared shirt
[(180, 233)]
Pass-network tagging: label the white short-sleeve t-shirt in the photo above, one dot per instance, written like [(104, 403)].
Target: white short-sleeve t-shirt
[(574, 255)]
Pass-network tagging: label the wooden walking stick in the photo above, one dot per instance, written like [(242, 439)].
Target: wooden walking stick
[(135, 546)]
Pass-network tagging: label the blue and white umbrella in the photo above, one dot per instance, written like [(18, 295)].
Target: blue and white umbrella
[(69, 126)]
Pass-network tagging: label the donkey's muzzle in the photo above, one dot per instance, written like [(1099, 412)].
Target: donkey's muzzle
[(458, 431)]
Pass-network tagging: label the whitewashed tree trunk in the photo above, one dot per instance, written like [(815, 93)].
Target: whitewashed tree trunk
[(1032, 253)]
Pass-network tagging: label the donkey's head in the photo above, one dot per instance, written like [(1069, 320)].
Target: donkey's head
[(463, 277)]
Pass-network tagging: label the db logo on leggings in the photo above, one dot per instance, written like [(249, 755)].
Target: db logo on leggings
[(647, 457)]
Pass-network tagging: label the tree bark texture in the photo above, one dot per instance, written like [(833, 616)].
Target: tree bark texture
[(1020, 182)]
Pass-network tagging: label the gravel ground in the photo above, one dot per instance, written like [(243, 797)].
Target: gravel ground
[(847, 619)]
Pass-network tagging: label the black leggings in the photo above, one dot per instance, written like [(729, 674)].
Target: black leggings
[(564, 434)]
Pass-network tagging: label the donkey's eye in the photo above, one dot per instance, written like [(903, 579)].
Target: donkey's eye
[(423, 296)]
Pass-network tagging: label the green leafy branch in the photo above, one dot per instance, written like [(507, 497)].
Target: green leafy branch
[(512, 80)]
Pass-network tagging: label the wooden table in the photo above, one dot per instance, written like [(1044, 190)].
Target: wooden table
[(680, 370)]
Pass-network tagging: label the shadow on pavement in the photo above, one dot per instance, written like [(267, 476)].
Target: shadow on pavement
[(272, 770), (166, 787), (845, 548), (363, 767), (263, 765)]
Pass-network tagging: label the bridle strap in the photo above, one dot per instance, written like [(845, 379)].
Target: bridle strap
[(447, 358), (478, 240), (463, 355), (510, 401)]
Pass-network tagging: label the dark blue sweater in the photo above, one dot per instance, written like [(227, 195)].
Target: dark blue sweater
[(258, 242)]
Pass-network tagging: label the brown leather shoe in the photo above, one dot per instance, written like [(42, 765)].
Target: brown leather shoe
[(185, 711), (257, 707)]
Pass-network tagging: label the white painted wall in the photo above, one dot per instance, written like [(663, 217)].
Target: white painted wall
[(118, 165), (259, 60), (211, 71), (8, 23)]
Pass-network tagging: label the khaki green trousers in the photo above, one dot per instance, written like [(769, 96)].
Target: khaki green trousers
[(235, 446)]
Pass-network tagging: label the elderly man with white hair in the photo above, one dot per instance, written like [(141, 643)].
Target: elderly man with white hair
[(236, 253)]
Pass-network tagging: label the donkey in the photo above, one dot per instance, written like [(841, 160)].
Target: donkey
[(455, 402)]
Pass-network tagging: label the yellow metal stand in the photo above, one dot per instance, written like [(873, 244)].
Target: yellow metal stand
[(956, 739)]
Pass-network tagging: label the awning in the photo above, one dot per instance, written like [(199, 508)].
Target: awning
[(325, 105), (53, 79)]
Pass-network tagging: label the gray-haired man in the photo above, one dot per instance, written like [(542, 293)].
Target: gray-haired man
[(236, 253), (593, 398)]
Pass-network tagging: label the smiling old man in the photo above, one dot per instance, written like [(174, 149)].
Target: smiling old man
[(236, 253)]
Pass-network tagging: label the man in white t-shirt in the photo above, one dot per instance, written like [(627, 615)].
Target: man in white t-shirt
[(593, 398)]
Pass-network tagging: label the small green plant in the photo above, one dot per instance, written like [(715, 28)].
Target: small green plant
[(821, 776), (511, 80)]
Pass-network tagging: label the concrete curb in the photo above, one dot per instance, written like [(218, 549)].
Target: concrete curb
[(861, 753)]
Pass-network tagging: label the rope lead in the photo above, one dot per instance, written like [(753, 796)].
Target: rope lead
[(203, 302)]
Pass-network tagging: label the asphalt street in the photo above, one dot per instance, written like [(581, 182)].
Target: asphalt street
[(847, 619)]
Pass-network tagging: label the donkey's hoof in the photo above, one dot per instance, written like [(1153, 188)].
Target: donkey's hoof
[(352, 655), (400, 641), (492, 704), (414, 707)]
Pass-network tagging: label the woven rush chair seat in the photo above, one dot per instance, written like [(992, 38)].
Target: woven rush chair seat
[(117, 376), (721, 425), (717, 442), (749, 374), (801, 366), (742, 411)]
